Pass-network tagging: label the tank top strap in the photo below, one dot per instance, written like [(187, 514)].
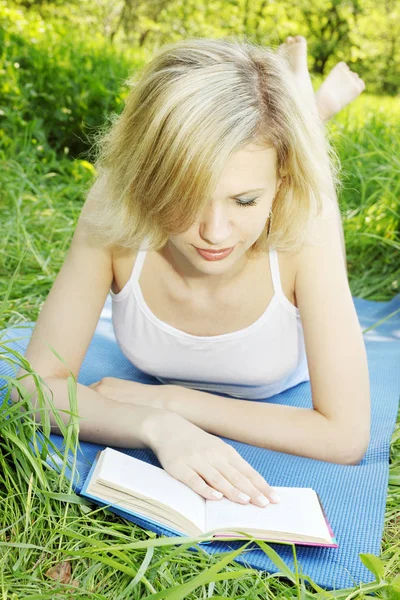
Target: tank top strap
[(276, 277), (141, 255)]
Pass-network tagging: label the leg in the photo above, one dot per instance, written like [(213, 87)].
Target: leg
[(340, 87)]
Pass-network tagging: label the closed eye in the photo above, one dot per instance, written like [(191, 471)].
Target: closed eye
[(242, 202)]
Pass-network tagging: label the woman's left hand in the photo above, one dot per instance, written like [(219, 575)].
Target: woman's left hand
[(132, 392)]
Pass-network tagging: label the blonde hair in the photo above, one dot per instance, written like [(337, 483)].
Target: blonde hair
[(194, 104)]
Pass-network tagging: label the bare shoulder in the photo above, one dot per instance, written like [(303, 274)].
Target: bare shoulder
[(116, 254), (323, 237), (320, 266), (72, 308)]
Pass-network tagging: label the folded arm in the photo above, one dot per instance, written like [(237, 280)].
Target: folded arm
[(300, 431), (337, 428)]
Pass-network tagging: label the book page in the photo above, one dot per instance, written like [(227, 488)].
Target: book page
[(298, 513), (133, 475)]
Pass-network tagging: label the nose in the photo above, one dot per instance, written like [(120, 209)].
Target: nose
[(215, 225)]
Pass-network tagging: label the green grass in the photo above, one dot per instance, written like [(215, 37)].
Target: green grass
[(42, 522)]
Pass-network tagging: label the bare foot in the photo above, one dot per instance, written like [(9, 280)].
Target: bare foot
[(340, 87), (294, 49)]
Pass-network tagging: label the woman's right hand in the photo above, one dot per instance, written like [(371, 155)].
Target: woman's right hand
[(206, 463)]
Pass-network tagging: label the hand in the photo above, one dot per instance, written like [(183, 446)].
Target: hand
[(204, 462)]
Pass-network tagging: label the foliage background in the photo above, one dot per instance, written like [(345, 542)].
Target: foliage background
[(67, 79)]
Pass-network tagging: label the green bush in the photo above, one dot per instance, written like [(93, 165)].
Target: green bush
[(58, 77)]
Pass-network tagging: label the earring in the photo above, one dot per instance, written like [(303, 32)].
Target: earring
[(269, 223)]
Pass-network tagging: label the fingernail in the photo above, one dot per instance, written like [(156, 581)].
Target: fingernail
[(244, 497), (217, 494), (274, 497), (263, 500)]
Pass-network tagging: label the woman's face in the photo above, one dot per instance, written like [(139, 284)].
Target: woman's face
[(250, 177)]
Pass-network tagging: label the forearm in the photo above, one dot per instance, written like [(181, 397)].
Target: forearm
[(102, 420), (300, 431)]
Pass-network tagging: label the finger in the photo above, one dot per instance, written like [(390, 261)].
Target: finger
[(217, 480), (243, 483), (191, 478), (255, 478)]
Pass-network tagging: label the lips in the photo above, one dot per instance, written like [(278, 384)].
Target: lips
[(214, 251), (214, 254)]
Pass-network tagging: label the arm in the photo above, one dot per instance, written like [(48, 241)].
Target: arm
[(66, 323), (101, 420), (282, 428), (300, 431), (337, 428)]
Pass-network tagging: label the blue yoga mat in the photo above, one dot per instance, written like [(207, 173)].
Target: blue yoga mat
[(353, 496)]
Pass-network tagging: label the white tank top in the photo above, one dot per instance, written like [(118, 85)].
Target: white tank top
[(254, 363)]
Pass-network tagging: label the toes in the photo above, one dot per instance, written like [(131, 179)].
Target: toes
[(358, 79), (297, 39)]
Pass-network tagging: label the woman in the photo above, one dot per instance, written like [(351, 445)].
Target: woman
[(220, 169)]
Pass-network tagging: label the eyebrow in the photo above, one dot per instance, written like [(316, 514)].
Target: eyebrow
[(248, 192)]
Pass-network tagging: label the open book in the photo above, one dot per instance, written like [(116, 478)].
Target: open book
[(138, 488)]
